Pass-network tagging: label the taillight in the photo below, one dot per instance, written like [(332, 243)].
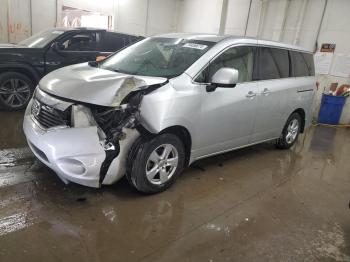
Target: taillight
[(317, 85)]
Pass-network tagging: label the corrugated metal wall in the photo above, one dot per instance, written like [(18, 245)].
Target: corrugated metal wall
[(15, 21), (3, 21), (19, 20)]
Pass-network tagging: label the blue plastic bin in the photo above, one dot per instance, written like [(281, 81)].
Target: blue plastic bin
[(331, 108)]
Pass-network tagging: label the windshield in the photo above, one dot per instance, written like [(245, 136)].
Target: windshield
[(162, 57), (42, 38)]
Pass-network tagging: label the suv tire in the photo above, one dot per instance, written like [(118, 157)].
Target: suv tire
[(290, 132)]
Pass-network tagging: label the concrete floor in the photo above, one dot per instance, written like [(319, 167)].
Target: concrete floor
[(254, 204)]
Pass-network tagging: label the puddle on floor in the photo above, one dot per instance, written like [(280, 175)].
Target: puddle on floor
[(11, 132)]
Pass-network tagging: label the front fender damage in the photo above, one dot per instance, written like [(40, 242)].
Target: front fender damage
[(117, 125)]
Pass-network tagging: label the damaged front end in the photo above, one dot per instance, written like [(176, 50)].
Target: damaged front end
[(103, 159)]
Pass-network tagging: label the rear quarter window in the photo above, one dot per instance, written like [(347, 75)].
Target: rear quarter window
[(134, 39), (273, 63), (309, 59), (281, 59), (113, 42), (302, 64)]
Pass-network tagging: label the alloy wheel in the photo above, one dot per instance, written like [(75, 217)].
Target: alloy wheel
[(292, 131), (161, 164), (14, 92)]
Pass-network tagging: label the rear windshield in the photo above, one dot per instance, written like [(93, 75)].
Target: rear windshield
[(156, 56)]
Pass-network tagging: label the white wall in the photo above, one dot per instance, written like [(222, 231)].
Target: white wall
[(18, 19), (15, 22), (43, 15), (199, 16), (131, 16), (311, 22), (101, 6), (146, 17), (3, 21), (236, 18), (162, 16)]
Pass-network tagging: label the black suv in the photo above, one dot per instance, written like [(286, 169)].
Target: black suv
[(23, 64)]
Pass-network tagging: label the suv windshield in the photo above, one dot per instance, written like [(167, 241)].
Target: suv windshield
[(42, 38), (162, 57)]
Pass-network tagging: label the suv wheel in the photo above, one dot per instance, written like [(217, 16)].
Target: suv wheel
[(290, 132), (155, 164), (16, 90)]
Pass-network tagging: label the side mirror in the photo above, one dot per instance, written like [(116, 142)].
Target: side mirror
[(224, 77)]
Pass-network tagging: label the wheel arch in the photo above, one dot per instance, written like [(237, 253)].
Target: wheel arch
[(180, 131), (185, 136), (22, 69)]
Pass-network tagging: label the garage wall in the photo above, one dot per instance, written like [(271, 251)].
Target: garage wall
[(336, 30), (3, 21), (15, 22), (20, 18), (101, 6), (162, 16), (42, 21), (131, 16), (199, 16)]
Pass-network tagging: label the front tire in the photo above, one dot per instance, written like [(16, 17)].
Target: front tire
[(290, 132), (16, 90), (154, 164)]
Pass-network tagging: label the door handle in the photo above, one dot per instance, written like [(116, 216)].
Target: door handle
[(250, 94), (265, 92)]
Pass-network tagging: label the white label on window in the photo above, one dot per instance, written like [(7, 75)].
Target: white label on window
[(195, 46)]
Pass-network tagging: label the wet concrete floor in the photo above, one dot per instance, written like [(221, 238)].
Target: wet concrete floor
[(254, 204)]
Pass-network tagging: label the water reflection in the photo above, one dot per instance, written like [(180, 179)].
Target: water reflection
[(106, 225), (11, 132)]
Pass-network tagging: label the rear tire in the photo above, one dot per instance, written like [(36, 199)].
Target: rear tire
[(16, 89), (290, 132), (155, 163)]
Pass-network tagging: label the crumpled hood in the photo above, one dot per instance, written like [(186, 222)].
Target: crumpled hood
[(93, 85)]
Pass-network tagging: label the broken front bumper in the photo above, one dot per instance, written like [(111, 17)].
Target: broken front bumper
[(75, 154)]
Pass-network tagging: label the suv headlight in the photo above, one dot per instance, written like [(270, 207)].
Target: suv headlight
[(82, 117)]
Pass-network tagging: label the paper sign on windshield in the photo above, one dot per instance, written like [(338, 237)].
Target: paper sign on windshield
[(195, 46)]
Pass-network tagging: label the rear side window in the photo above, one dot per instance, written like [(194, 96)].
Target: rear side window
[(309, 59), (112, 42), (273, 63), (281, 58), (302, 64), (133, 39)]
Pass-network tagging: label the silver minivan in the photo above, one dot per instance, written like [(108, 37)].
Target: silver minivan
[(155, 107)]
